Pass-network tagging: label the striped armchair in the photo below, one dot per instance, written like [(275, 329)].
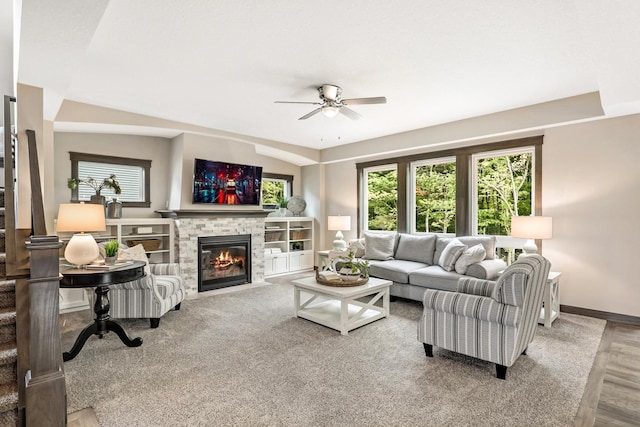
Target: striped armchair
[(492, 321), (147, 298)]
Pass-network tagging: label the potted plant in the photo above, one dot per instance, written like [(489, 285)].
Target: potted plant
[(282, 203), (350, 268), (111, 252), (97, 186)]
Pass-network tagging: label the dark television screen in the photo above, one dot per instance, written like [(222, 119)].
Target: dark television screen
[(226, 183)]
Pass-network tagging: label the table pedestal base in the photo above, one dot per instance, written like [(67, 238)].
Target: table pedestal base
[(101, 326)]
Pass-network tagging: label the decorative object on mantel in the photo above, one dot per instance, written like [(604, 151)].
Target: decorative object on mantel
[(296, 205), (339, 223), (166, 213), (110, 182), (531, 228)]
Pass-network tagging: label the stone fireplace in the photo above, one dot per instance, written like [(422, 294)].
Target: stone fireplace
[(223, 261), (193, 225)]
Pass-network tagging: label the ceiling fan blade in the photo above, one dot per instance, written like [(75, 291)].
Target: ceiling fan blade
[(306, 116), (297, 102), (358, 101), (350, 113)]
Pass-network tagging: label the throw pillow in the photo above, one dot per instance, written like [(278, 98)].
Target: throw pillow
[(357, 247), (379, 246), (135, 253), (416, 248), (451, 253), (470, 256)]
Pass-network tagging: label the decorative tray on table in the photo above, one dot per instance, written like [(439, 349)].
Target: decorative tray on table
[(339, 282)]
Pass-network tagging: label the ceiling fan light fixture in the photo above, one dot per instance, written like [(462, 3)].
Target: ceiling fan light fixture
[(330, 111)]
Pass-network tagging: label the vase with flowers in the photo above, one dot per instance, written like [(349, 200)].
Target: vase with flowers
[(111, 182)]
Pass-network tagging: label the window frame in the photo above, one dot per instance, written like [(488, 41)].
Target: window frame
[(288, 188), (411, 191), (363, 216), (463, 175), (502, 241), (76, 157)]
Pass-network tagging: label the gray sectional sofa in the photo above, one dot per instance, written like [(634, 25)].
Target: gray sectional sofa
[(417, 262)]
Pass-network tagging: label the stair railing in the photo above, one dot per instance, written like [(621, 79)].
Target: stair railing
[(32, 261)]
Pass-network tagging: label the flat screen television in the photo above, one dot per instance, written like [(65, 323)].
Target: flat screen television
[(222, 183)]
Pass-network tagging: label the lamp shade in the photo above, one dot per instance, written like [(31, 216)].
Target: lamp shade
[(82, 248), (339, 223), (531, 227), (74, 217)]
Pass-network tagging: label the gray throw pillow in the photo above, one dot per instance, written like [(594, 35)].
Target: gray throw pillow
[(379, 246), (450, 254), (470, 256), (416, 248)]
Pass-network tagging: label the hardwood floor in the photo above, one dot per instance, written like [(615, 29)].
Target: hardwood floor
[(611, 396)]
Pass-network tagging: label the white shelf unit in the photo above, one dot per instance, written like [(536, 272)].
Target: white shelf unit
[(288, 243), (123, 229)]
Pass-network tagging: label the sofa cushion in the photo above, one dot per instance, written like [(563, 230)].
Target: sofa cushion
[(486, 269), (489, 243), (416, 248), (396, 270), (435, 277), (470, 256), (379, 246), (450, 254)]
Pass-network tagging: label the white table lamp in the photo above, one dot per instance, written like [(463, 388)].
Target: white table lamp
[(339, 223), (81, 217), (531, 228)]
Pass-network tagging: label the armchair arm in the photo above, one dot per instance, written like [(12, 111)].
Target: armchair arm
[(165, 269), (471, 286), (471, 306)]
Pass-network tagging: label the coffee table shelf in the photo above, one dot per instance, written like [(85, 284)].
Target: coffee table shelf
[(343, 309)]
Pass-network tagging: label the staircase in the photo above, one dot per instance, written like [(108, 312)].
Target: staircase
[(8, 346)]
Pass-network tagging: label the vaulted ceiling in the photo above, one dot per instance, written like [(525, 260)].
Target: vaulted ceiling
[(222, 64)]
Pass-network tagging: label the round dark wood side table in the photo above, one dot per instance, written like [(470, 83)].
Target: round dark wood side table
[(101, 280)]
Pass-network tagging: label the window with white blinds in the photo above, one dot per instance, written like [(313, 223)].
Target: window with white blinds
[(132, 176)]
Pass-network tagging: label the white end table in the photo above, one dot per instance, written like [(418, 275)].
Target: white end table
[(341, 308), (551, 302)]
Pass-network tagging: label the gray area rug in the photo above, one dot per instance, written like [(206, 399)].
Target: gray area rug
[(242, 359)]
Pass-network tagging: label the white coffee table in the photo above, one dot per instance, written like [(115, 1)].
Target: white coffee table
[(338, 307)]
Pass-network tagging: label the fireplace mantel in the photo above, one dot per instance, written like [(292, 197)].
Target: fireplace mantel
[(205, 213)]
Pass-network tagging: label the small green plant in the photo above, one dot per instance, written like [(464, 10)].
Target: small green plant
[(111, 248), (110, 182), (354, 265), (283, 202)]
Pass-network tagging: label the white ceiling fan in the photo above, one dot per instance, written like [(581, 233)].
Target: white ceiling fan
[(332, 103)]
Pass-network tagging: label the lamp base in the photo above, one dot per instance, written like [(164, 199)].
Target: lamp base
[(339, 244), (529, 248), (81, 250)]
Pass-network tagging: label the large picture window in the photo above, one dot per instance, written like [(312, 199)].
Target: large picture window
[(380, 197), (274, 188), (131, 174), (433, 196)]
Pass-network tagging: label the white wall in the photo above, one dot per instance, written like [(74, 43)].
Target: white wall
[(224, 150), (591, 175), (140, 147)]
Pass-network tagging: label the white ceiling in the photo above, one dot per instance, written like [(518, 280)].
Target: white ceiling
[(222, 64)]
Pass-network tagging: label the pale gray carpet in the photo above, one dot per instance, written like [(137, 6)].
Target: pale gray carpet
[(242, 359)]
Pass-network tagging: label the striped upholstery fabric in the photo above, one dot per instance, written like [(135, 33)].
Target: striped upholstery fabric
[(149, 297), (493, 321)]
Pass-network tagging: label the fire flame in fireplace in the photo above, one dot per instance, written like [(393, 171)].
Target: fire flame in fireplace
[(226, 260)]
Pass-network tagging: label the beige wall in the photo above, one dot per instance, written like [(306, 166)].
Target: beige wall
[(224, 150), (140, 147), (591, 174)]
